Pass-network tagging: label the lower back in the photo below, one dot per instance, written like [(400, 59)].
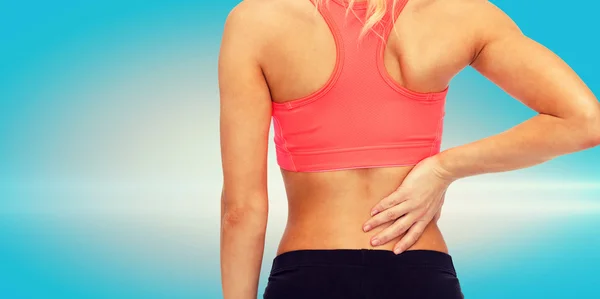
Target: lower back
[(328, 209)]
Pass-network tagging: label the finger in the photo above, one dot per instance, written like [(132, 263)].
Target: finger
[(411, 237), (395, 230), (391, 200), (388, 215)]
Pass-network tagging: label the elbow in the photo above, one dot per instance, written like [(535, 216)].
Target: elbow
[(248, 216), (241, 217), (591, 129), (594, 138)]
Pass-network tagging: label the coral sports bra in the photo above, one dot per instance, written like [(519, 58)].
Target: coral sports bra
[(361, 118)]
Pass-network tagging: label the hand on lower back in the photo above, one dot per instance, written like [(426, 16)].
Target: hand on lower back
[(411, 207)]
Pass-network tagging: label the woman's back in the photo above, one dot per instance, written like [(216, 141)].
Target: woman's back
[(327, 209)]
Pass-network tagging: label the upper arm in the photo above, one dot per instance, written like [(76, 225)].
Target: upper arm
[(527, 70), (245, 111)]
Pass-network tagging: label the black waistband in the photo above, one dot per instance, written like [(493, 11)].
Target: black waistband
[(363, 257)]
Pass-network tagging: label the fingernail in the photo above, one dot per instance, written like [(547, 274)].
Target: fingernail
[(397, 251), (366, 228), (375, 242), (374, 212)]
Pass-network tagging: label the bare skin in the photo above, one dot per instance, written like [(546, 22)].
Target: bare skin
[(351, 194), (265, 39)]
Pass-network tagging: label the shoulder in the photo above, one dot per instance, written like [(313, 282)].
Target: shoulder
[(257, 23), (248, 16), (261, 16), (470, 15), (480, 20), (251, 11), (485, 18), (479, 13), (245, 27)]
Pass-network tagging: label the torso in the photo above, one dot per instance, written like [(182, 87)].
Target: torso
[(434, 41)]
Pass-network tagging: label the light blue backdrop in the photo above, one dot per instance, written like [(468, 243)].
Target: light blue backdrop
[(110, 172)]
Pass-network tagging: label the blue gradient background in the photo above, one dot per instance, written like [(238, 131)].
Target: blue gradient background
[(110, 172)]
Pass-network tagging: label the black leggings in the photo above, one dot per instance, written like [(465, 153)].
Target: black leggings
[(362, 274)]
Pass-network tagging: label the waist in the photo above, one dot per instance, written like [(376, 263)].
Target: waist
[(348, 235), (327, 210)]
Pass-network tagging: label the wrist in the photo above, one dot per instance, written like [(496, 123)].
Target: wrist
[(441, 169)]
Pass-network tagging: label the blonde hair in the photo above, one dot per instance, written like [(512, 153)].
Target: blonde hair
[(376, 10)]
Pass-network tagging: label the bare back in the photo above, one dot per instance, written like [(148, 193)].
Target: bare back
[(431, 42)]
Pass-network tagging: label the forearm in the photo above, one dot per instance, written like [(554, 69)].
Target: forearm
[(532, 142), (242, 246)]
